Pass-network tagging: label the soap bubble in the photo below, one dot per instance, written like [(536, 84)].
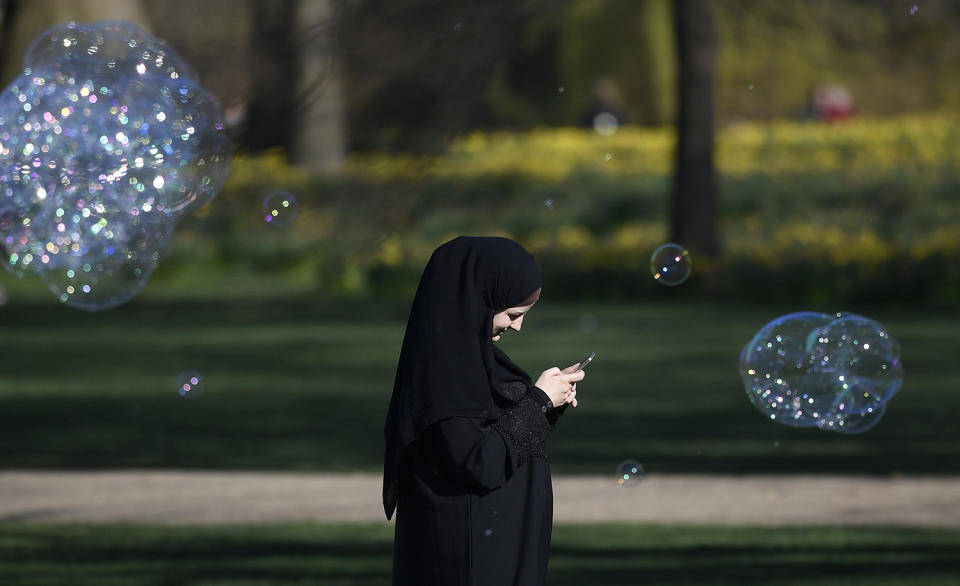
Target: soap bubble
[(94, 283), (104, 273), (629, 473), (280, 209), (670, 264), (777, 366), (190, 384), (857, 420), (106, 140), (866, 361), (114, 44), (835, 372)]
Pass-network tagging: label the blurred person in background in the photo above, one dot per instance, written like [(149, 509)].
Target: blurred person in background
[(830, 103), (607, 111)]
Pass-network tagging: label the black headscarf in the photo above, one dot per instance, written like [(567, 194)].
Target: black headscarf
[(449, 365)]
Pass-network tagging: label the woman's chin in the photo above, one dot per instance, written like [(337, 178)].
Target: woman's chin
[(496, 338)]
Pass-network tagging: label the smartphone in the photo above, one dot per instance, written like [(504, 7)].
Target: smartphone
[(586, 361)]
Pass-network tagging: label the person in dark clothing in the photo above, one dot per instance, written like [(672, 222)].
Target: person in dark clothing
[(466, 464)]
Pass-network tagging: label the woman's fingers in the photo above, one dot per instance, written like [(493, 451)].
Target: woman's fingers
[(570, 373), (559, 385)]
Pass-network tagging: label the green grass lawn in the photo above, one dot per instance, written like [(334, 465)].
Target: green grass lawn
[(299, 384), (594, 555)]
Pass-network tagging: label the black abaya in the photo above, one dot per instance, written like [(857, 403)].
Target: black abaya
[(474, 510), (466, 464)]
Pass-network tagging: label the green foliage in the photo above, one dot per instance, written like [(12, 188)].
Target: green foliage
[(892, 62), (630, 43), (770, 56), (862, 212), (809, 213)]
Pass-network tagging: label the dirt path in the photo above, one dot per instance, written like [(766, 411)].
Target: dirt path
[(172, 497)]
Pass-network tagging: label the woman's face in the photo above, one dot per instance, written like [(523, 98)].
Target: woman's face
[(509, 319)]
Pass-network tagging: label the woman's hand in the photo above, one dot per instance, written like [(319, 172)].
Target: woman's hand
[(560, 385), (572, 399)]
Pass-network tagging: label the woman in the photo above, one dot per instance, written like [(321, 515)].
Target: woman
[(466, 466)]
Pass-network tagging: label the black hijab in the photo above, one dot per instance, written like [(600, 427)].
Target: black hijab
[(449, 365)]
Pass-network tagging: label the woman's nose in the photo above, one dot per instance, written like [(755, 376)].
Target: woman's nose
[(517, 323)]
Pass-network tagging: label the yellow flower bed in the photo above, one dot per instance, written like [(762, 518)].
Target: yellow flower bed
[(815, 243), (869, 236), (780, 147), (269, 171)]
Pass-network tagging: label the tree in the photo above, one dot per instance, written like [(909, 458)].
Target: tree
[(274, 68), (8, 13), (417, 72), (693, 214), (295, 101), (319, 135)]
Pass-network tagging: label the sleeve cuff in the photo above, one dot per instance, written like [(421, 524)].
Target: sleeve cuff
[(541, 398)]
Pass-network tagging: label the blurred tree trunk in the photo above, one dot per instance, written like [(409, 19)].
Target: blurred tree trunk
[(655, 97), (94, 10), (295, 101), (416, 72), (693, 214), (274, 70), (318, 141), (8, 13)]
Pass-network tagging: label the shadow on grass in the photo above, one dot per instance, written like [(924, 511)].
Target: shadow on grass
[(281, 430), (210, 312), (303, 385), (361, 555), (739, 441)]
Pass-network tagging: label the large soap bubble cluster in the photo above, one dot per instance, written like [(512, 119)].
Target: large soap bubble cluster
[(106, 140), (834, 372)]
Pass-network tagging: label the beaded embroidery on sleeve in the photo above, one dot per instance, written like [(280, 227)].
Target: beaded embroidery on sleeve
[(528, 428)]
